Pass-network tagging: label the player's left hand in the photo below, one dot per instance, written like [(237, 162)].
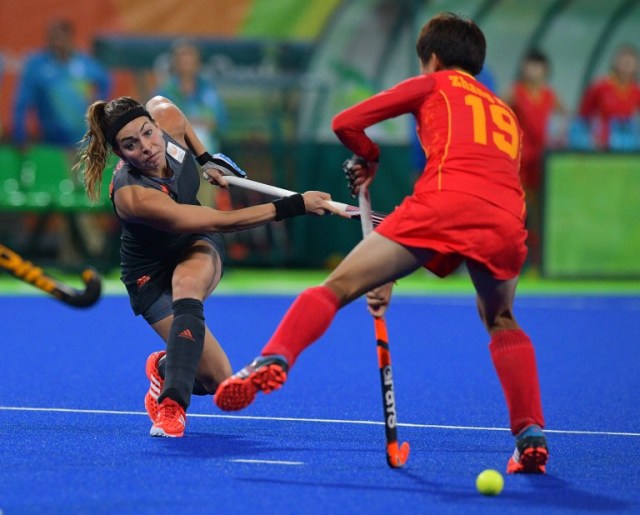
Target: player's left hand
[(358, 172), (215, 167), (213, 175), (378, 300)]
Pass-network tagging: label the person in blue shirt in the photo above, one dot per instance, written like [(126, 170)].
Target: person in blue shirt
[(195, 95), (58, 84)]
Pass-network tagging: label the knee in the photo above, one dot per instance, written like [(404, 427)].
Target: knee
[(341, 289), (500, 321), (186, 285)]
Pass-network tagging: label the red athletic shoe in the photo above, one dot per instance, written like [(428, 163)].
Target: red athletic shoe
[(264, 374), (170, 421), (531, 453), (156, 383)]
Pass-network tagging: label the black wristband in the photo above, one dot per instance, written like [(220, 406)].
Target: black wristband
[(289, 207), (204, 158)]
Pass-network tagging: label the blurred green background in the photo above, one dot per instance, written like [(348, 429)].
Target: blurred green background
[(284, 68)]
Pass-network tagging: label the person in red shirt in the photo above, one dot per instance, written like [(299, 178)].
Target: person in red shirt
[(615, 98), (467, 206), (534, 102)]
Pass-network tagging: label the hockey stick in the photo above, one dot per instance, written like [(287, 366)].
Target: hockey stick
[(29, 273), (397, 455), (274, 191)]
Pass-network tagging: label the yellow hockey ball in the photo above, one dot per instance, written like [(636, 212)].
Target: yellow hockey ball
[(489, 482)]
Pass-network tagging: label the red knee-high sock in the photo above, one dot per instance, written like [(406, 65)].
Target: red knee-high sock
[(306, 320), (515, 362)]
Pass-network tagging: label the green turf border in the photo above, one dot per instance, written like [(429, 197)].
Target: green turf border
[(261, 281)]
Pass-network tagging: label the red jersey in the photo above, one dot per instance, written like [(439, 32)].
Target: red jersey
[(471, 138), (607, 100), (534, 110)]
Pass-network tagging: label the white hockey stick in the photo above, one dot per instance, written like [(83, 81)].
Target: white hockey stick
[(274, 191)]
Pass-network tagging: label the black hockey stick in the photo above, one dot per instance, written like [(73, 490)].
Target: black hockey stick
[(29, 273), (397, 454)]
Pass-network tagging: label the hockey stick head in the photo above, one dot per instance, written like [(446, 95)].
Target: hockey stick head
[(397, 456), (78, 298)]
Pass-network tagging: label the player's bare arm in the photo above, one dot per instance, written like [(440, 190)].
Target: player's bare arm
[(156, 209)]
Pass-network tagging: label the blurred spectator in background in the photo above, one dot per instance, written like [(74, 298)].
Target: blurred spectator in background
[(58, 83), (195, 95), (1, 74), (611, 103), (534, 102), (183, 80)]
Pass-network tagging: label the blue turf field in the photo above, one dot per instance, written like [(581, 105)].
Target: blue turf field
[(73, 432)]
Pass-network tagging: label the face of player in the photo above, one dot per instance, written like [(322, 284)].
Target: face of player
[(626, 66), (141, 144), (186, 61), (534, 72), (60, 38)]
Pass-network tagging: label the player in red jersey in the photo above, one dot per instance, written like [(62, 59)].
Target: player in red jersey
[(466, 206), (615, 97), (534, 102)]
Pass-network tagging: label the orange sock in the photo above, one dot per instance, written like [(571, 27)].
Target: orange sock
[(515, 362), (307, 319)]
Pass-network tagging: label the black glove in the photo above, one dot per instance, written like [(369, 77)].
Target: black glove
[(348, 169), (220, 162)]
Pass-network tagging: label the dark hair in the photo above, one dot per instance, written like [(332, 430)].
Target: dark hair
[(536, 56), (94, 145), (456, 41)]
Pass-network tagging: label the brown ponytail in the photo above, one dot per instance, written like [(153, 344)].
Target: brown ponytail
[(94, 147)]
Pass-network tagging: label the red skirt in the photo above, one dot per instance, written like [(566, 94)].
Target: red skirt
[(459, 227)]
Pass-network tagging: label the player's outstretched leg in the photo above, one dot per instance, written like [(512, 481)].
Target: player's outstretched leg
[(264, 374), (306, 320)]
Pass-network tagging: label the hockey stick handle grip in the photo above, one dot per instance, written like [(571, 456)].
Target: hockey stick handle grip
[(364, 203), (272, 191)]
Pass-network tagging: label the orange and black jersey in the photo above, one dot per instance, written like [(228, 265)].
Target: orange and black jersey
[(472, 139)]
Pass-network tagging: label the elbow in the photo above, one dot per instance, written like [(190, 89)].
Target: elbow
[(158, 101), (338, 125)]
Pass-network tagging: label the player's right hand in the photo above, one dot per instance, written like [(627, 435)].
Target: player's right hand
[(378, 300), (317, 203), (358, 172)]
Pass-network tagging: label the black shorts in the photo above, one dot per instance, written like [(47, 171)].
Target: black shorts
[(150, 294)]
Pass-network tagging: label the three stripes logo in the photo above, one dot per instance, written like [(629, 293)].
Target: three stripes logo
[(186, 334)]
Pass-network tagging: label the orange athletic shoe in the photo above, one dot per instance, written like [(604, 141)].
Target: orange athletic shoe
[(531, 453), (156, 383), (264, 374), (170, 421)]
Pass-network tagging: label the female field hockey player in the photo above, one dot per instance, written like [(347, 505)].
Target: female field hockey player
[(466, 206), (171, 247)]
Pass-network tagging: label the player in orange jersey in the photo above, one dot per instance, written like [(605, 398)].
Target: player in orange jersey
[(467, 206), (534, 102)]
